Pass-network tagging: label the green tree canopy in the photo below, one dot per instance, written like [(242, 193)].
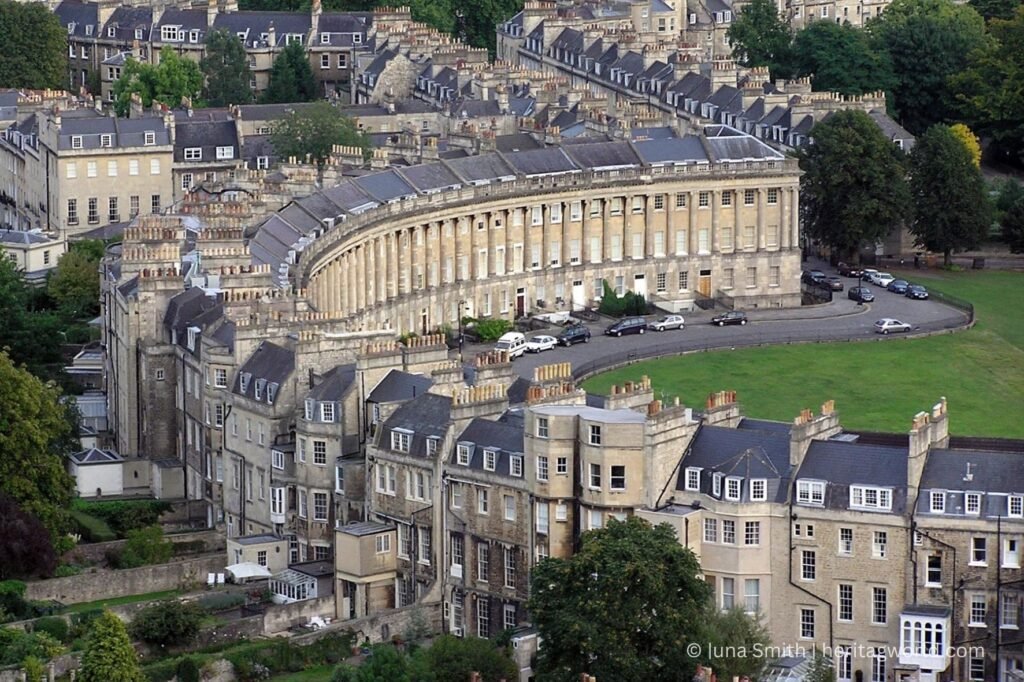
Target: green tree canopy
[(167, 623), (989, 90), (996, 9), (386, 664), (168, 82), (313, 131), (36, 432), (34, 49), (1013, 226), (26, 550), (927, 41), (738, 638), (760, 37), (75, 284), (454, 658), (854, 189), (109, 655), (226, 70), (628, 572), (840, 58), (291, 77), (951, 204)]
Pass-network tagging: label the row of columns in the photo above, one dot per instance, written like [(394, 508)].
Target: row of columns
[(406, 259)]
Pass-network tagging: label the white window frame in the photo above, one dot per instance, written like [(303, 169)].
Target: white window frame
[(693, 479), (810, 493)]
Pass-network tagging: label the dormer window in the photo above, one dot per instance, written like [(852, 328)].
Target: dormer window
[(515, 466), (225, 153), (401, 440), (88, 29), (76, 141), (733, 486), (1015, 506), (490, 458), (150, 138), (758, 490), (243, 381), (106, 140), (260, 385), (192, 333), (308, 411), (271, 393), (972, 503), (432, 446), (462, 454), (327, 412), (716, 484), (111, 32), (870, 498), (325, 38), (193, 153), (357, 38), (693, 478), (810, 492), (938, 502), (71, 28), (193, 36), (138, 34), (170, 34)]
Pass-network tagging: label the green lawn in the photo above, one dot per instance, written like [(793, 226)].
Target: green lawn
[(314, 674), (876, 386), (118, 601)]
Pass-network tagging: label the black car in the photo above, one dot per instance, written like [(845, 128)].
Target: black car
[(577, 333), (731, 317), (812, 277), (917, 291), (833, 283), (847, 270), (627, 325), (862, 294), (898, 286)]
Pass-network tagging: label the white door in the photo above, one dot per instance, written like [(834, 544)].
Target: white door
[(640, 285), (579, 296)]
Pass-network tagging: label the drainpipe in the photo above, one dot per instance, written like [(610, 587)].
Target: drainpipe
[(789, 520)]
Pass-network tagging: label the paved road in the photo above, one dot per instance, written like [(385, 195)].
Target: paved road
[(842, 319)]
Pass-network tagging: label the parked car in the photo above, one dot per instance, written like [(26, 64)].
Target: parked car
[(867, 273), (834, 283), (917, 291), (667, 322), (513, 343), (577, 333), (898, 286), (847, 270), (540, 343), (862, 294), (731, 317), (627, 325), (812, 277), (890, 324), (882, 279)]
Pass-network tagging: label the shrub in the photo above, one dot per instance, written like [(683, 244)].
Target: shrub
[(491, 329), (17, 645), (212, 603), (145, 546), (167, 623), (65, 570), (34, 669), (188, 670), (81, 622), (92, 529), (54, 626), (616, 306), (123, 516), (190, 547)]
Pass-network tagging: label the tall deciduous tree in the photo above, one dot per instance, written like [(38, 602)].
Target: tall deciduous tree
[(969, 140), (226, 69), (989, 90), (996, 9), (168, 82), (952, 210), (36, 431), (626, 573), (739, 641), (760, 37), (313, 131), (25, 547), (109, 655), (33, 51), (1013, 226), (840, 58), (291, 78), (927, 41), (75, 284), (455, 658), (854, 190)]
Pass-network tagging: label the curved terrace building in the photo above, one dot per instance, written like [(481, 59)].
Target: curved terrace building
[(502, 234)]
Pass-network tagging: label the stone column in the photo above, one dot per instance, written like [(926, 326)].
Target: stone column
[(691, 202), (762, 212), (716, 216), (795, 217), (784, 218)]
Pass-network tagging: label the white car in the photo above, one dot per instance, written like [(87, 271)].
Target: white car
[(667, 322), (882, 279), (541, 343), (890, 324)]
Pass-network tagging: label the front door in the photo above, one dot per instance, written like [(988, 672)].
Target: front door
[(520, 301), (579, 296), (640, 285), (704, 283)]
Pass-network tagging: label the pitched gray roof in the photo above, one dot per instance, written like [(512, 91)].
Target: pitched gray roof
[(269, 366), (123, 132), (95, 456), (607, 155), (334, 384), (541, 161), (677, 150), (483, 434), (746, 453), (255, 25), (398, 385), (426, 416), (205, 135)]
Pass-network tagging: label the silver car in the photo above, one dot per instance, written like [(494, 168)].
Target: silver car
[(667, 322)]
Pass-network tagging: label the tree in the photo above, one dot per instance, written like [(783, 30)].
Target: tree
[(167, 623), (854, 190), (34, 52), (995, 9), (840, 58), (20, 332), (760, 37), (291, 78), (989, 95), (75, 284), (738, 639), (454, 658), (314, 131), (145, 546), (474, 20), (36, 431), (821, 669), (1013, 227), (926, 40), (952, 211), (226, 69), (168, 82), (26, 550), (969, 140), (628, 572), (386, 664), (109, 655)]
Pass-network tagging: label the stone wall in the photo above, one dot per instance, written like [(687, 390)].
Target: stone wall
[(105, 584), (283, 616), (375, 627), (96, 552)]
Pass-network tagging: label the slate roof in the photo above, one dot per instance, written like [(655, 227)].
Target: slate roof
[(540, 161), (361, 528), (186, 19), (841, 464), (191, 307), (385, 186), (485, 167), (8, 236), (95, 456), (746, 453), (256, 24), (345, 22), (678, 150), (991, 471), (484, 434), (334, 384), (126, 19), (207, 136), (430, 177), (603, 156), (398, 386), (728, 144), (81, 14), (270, 363), (426, 416), (124, 132)]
